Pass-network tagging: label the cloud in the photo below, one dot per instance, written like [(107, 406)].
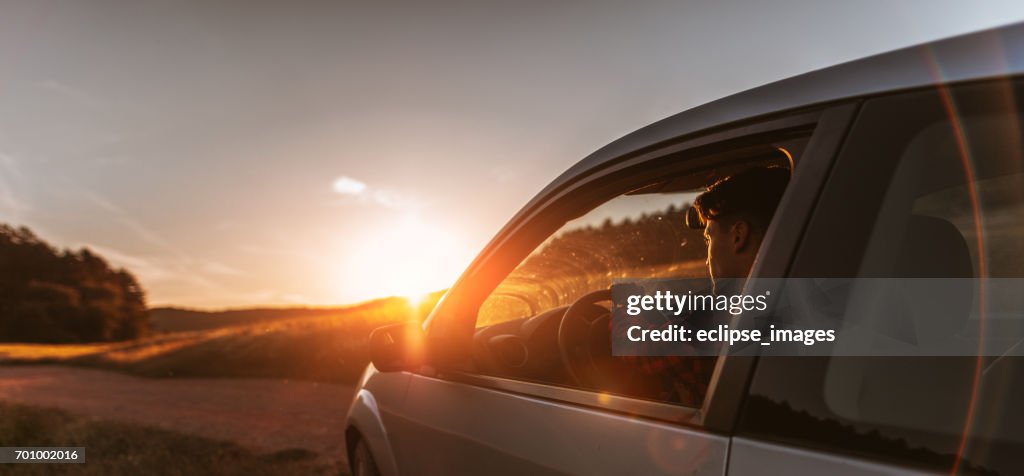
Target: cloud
[(10, 178), (136, 226), (220, 269), (171, 276), (151, 270), (349, 186), (11, 204), (363, 193), (65, 92), (281, 251)]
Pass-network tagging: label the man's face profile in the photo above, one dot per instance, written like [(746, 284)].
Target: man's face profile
[(713, 238), (731, 248)]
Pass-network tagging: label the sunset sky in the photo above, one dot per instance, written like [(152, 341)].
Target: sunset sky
[(277, 153)]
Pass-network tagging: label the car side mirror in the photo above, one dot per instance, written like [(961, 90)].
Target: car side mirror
[(398, 347)]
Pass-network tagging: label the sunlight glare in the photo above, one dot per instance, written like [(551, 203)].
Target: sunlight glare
[(409, 259)]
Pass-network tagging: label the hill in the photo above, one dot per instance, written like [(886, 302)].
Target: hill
[(304, 344), (176, 319)]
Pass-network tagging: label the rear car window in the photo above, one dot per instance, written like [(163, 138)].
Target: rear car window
[(929, 184)]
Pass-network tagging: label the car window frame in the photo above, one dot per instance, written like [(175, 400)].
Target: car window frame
[(456, 314)]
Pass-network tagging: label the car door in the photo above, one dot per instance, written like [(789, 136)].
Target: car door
[(483, 411), (928, 184)]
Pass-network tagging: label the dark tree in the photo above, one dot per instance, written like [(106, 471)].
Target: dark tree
[(50, 295)]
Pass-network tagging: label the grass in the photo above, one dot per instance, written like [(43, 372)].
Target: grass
[(322, 347), (123, 449)]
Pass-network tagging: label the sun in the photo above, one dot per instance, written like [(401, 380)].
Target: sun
[(408, 258), (416, 299)]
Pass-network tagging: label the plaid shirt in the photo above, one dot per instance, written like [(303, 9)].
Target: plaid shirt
[(682, 379)]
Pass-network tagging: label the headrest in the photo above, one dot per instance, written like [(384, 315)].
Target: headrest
[(933, 248)]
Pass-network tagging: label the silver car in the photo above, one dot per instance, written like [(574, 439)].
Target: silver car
[(909, 163)]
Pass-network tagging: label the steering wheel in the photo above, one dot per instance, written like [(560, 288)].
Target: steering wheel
[(584, 338)]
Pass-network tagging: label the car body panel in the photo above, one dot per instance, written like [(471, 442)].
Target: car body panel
[(454, 428), (751, 457), (379, 397)]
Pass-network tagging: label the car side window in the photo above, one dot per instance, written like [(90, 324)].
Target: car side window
[(929, 184), (519, 331)]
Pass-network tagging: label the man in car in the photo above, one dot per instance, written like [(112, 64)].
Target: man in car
[(735, 213)]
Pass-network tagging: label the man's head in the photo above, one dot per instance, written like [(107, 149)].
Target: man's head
[(736, 212)]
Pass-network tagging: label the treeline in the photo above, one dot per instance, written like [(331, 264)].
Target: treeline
[(650, 240), (577, 261), (51, 295)]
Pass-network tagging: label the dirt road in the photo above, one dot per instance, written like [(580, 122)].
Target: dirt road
[(265, 415)]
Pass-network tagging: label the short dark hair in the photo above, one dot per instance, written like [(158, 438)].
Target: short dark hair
[(752, 194)]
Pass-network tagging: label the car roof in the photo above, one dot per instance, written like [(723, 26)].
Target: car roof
[(985, 54)]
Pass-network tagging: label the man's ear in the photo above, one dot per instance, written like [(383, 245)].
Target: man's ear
[(740, 235)]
